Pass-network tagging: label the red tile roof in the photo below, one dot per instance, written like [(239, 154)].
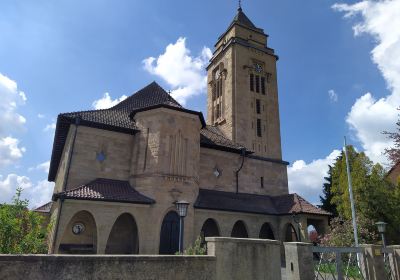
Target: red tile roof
[(106, 190), (254, 203)]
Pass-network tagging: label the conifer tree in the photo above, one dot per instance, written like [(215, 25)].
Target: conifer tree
[(326, 199)]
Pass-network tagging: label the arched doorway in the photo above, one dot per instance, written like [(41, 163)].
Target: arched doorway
[(239, 230), (123, 238), (290, 234), (169, 236), (209, 228), (80, 235), (266, 232)]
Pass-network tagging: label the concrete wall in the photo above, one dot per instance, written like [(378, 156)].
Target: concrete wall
[(49, 267), (228, 259), (242, 258)]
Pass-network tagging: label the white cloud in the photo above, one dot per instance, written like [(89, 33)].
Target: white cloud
[(10, 99), (106, 102), (10, 184), (306, 179), (183, 72), (332, 95), (42, 167), (40, 116), (50, 126), (10, 151), (370, 116), (37, 194)]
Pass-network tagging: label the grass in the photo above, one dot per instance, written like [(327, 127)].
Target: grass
[(330, 268)]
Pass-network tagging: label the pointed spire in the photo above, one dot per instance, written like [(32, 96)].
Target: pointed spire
[(240, 5)]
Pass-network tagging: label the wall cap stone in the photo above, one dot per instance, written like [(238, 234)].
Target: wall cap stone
[(39, 257), (296, 244), (242, 240)]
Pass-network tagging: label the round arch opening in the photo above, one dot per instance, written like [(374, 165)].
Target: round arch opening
[(290, 233), (239, 230), (123, 238), (169, 235), (266, 232), (209, 229), (80, 235)]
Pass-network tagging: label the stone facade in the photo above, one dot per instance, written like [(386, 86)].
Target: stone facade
[(153, 152)]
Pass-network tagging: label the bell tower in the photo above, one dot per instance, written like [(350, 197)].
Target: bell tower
[(242, 98)]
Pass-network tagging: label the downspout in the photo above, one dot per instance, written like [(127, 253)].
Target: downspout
[(243, 154), (61, 197)]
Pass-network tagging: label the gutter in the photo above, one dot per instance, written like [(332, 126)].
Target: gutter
[(243, 154)]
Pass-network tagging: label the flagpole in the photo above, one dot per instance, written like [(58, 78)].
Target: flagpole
[(353, 210)]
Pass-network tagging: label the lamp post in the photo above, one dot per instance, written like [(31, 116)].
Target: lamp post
[(181, 207), (382, 229), (296, 219)]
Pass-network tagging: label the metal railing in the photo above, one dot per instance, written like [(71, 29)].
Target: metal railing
[(338, 263), (389, 263)]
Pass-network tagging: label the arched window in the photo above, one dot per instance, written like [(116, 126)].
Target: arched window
[(209, 228), (123, 238), (266, 232), (239, 230), (80, 236), (169, 237)]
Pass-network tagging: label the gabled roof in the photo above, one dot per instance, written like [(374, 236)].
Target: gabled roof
[(115, 118), (254, 203), (106, 190), (45, 208)]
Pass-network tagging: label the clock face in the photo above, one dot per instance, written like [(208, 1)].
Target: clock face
[(258, 67), (78, 228)]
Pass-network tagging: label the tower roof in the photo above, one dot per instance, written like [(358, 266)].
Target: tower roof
[(242, 20)]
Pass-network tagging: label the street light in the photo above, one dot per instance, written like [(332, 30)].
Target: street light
[(382, 229), (181, 207), (296, 219)]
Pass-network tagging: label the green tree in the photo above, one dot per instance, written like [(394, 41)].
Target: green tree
[(360, 165), (375, 198), (21, 230), (326, 199)]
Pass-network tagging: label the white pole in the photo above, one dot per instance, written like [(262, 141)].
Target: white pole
[(353, 210)]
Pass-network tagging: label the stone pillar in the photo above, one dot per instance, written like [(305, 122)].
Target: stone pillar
[(244, 258), (394, 260), (299, 261), (371, 262)]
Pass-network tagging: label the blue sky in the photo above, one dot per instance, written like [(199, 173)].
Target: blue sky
[(338, 73)]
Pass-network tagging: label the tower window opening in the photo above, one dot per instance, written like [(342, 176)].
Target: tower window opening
[(252, 82), (262, 182), (258, 127), (263, 85), (214, 91), (257, 83), (258, 106)]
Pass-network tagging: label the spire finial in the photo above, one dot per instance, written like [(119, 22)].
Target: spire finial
[(240, 5)]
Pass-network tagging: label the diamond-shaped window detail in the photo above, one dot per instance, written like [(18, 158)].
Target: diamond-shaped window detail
[(217, 172), (101, 156)]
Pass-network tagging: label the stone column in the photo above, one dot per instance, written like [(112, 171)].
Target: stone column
[(371, 262), (299, 261), (245, 258)]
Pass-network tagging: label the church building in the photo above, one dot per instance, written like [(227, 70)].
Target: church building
[(119, 171)]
